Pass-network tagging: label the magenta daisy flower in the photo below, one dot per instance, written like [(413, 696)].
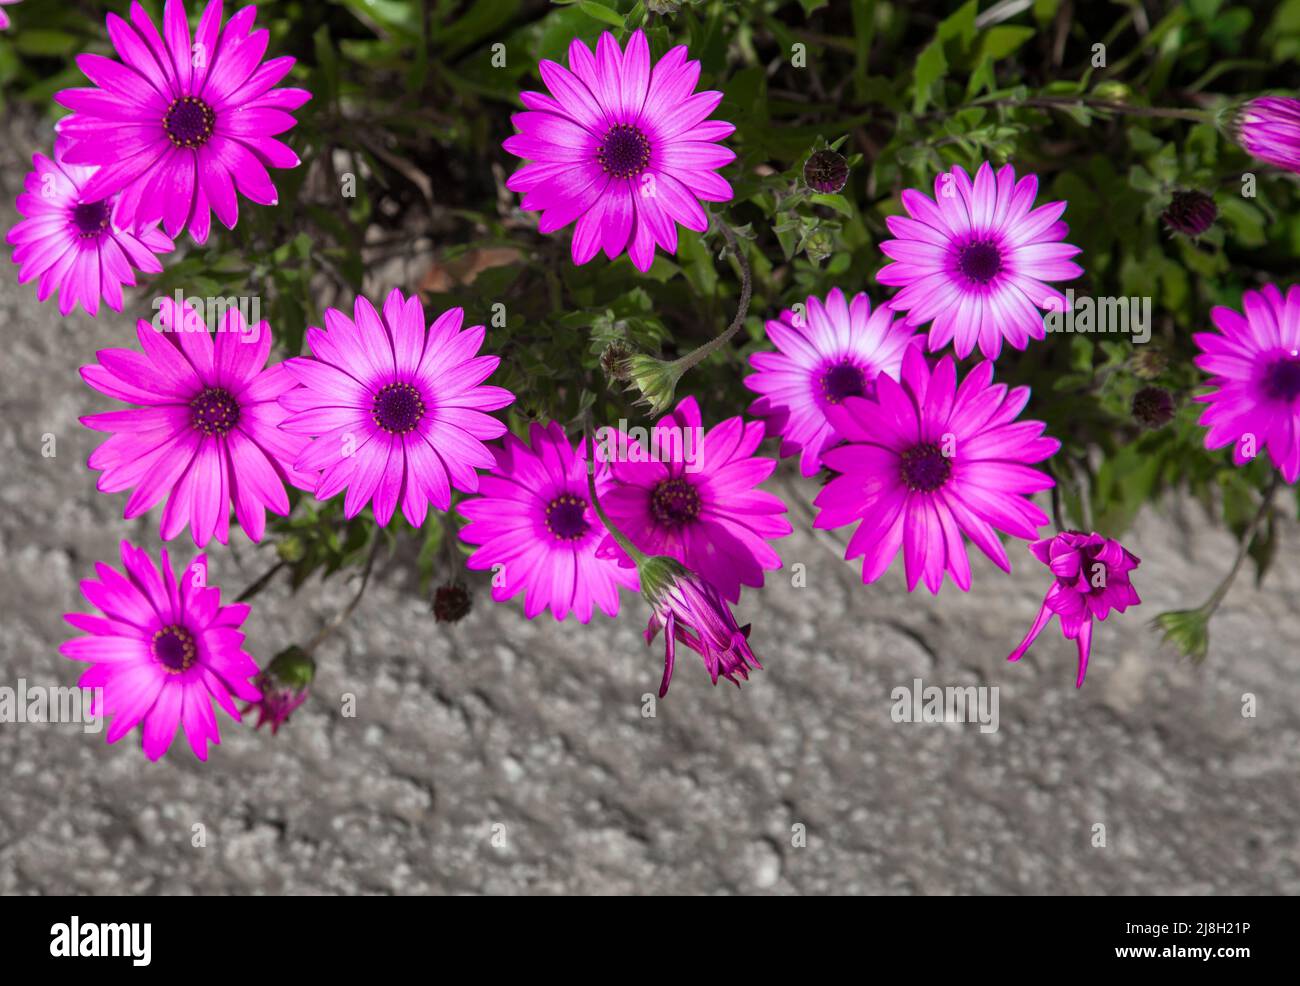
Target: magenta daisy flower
[(163, 651), (621, 147), (1254, 367), (537, 531), (205, 428), (689, 610), (973, 260), (692, 495), (397, 411), (4, 18), (826, 354), (1269, 128), (929, 461), (1092, 578), (184, 121), (72, 245)]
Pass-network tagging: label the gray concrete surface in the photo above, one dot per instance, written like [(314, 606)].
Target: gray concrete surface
[(537, 727)]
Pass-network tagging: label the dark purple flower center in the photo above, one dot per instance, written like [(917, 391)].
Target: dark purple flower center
[(624, 152), (214, 412), (1282, 379), (189, 122), (980, 260), (844, 380), (566, 517), (173, 647), (925, 468), (675, 502), (90, 218), (398, 408)]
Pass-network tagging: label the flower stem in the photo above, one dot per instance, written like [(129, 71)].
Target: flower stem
[(695, 356), (1056, 508), (620, 538), (260, 582), (1211, 604), (342, 616), (1124, 109), (1101, 105)]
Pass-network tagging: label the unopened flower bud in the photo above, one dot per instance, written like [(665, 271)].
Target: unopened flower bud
[(1190, 213), (1148, 363), (1153, 407), (819, 244), (656, 379), (451, 602), (826, 171), (1188, 630), (614, 362)]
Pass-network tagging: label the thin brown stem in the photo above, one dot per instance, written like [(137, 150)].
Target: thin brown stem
[(260, 582), (342, 615), (1100, 105), (620, 538), (695, 356), (1211, 604)]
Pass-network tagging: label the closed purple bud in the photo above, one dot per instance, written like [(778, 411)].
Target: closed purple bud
[(1190, 213), (826, 171)]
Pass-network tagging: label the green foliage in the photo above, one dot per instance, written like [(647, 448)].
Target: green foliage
[(412, 99)]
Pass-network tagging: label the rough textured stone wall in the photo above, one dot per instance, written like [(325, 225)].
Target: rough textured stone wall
[(538, 726)]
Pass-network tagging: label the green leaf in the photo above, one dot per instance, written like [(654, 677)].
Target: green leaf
[(837, 202), (1244, 221), (592, 8), (999, 42), (931, 67), (562, 26), (35, 42)]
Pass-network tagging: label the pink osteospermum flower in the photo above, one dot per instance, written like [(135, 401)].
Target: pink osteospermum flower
[(1092, 578), (205, 429), (1268, 128), (1254, 366), (182, 123), (72, 244), (622, 147), (689, 610), (973, 260), (693, 496), (929, 461), (163, 651), (535, 527), (4, 17), (826, 354), (397, 411)]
